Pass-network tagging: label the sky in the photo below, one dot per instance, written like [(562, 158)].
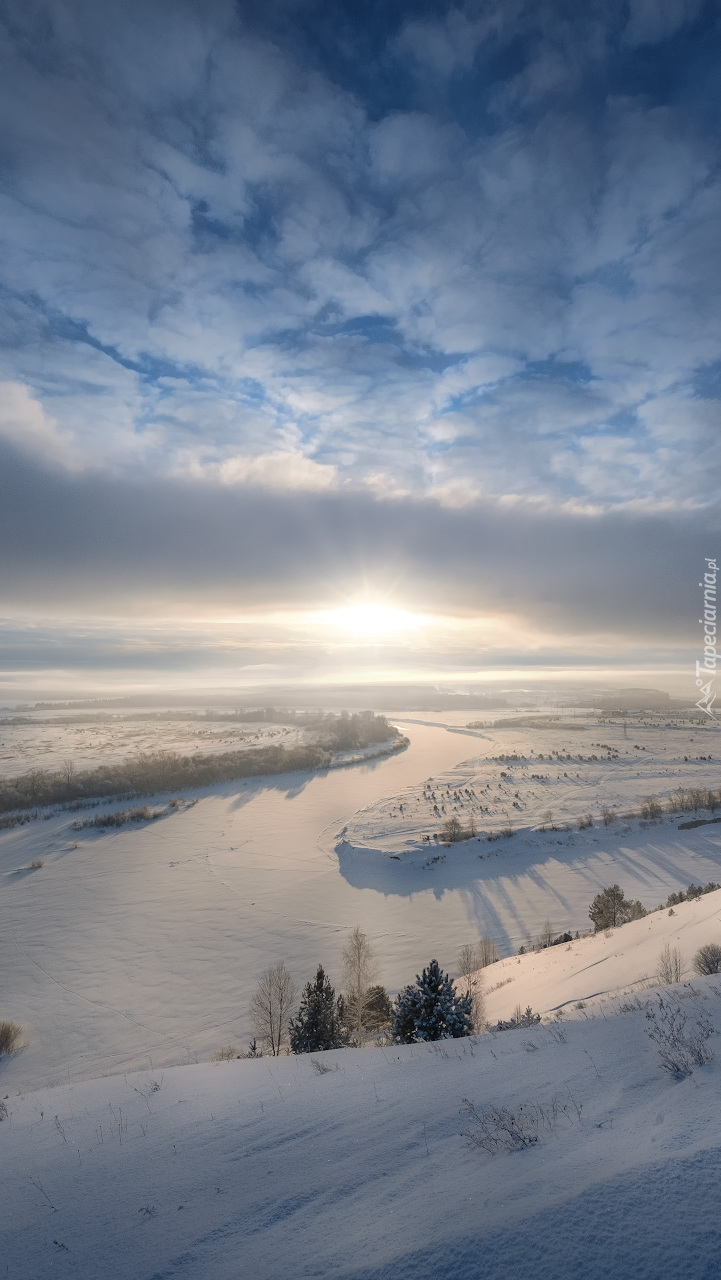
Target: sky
[(349, 341)]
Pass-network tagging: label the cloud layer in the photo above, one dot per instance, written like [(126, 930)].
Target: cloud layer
[(296, 294)]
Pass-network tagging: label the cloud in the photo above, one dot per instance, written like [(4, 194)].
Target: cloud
[(104, 544), (290, 471), (24, 424), (287, 253), (292, 299)]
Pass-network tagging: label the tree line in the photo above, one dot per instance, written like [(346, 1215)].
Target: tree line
[(611, 907), (150, 772), (432, 1007)]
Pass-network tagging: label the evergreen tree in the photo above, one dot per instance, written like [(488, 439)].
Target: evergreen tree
[(610, 908), (320, 1021), (429, 1009)]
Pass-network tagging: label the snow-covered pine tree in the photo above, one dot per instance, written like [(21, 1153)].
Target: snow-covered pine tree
[(429, 1009), (320, 1022)]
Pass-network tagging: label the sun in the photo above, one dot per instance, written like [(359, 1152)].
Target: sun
[(372, 619)]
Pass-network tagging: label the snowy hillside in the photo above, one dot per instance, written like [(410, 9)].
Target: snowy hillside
[(352, 1165), (603, 965)]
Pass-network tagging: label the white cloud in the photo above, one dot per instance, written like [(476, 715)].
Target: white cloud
[(227, 255), (290, 471), (24, 424)]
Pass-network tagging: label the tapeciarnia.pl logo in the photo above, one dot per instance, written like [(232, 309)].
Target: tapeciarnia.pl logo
[(710, 656)]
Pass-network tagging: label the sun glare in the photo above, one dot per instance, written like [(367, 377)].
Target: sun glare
[(373, 619)]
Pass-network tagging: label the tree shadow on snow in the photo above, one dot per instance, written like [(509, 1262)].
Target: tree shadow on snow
[(500, 884)]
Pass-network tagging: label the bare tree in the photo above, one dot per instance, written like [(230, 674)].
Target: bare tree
[(67, 771), (487, 951), (272, 1005), (471, 982), (545, 937), (359, 970), (670, 965), (451, 831)]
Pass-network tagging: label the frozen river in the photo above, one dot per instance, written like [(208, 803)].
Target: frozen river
[(144, 943)]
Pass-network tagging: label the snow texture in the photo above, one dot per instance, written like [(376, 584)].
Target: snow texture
[(269, 1168)]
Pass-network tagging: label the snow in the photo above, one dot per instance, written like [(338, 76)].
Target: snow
[(143, 943), (570, 769), (134, 949), (268, 1168), (45, 741), (603, 966)]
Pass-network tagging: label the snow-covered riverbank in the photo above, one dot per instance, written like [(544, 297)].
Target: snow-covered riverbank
[(143, 943)]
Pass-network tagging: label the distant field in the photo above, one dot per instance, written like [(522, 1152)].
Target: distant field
[(546, 773), (90, 740)]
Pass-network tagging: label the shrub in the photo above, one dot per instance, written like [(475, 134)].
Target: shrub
[(226, 1054), (322, 1068), (545, 940), (608, 816), (521, 1018), (707, 959), (681, 1046), (651, 808), (119, 817), (10, 1033), (500, 1129)]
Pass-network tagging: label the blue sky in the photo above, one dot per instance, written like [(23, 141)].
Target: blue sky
[(418, 264)]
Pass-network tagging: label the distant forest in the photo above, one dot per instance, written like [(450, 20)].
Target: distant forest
[(151, 772)]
